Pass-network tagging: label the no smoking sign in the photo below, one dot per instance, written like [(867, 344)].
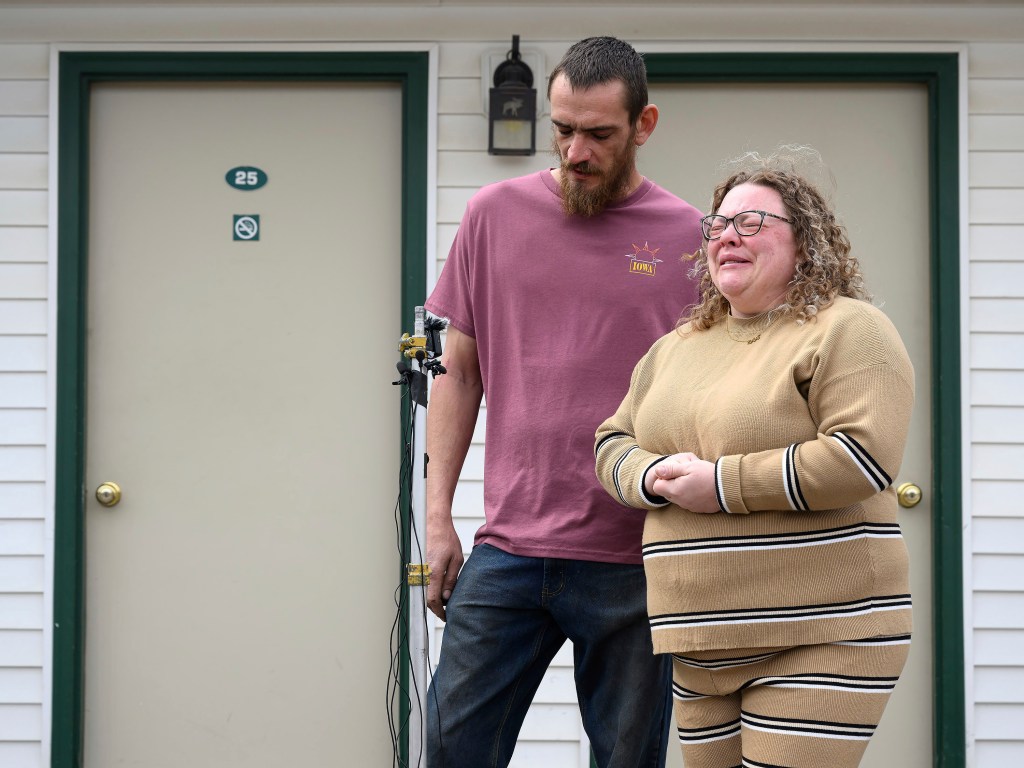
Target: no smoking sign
[(246, 226)]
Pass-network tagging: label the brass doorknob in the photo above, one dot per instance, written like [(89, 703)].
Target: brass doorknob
[(108, 494), (909, 495)]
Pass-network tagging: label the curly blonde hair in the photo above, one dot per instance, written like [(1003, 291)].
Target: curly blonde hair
[(825, 267)]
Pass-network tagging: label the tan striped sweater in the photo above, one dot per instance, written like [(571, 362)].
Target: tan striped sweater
[(806, 426)]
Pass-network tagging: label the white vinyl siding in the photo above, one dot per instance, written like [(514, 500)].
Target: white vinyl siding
[(24, 544), (996, 360)]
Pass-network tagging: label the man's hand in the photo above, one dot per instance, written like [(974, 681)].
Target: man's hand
[(444, 556)]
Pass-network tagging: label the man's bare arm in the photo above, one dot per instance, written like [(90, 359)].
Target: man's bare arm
[(451, 416)]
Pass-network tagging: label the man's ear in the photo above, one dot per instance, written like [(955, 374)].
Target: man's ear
[(645, 124)]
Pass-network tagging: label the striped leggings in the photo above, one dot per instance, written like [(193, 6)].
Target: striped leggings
[(811, 706)]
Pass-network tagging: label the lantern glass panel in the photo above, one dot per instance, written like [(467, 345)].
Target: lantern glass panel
[(512, 114)]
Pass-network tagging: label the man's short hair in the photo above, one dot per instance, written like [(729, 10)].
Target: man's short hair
[(597, 60)]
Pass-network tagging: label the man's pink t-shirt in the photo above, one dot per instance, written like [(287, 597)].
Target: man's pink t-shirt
[(561, 307)]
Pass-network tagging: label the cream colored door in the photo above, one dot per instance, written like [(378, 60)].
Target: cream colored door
[(873, 139), (240, 596)]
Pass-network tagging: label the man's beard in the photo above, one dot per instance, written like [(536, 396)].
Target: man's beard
[(613, 183)]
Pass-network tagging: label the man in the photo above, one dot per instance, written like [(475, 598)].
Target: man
[(556, 284)]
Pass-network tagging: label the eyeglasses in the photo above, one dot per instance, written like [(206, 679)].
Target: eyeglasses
[(746, 223)]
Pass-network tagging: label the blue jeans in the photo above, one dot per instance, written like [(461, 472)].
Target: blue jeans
[(507, 618)]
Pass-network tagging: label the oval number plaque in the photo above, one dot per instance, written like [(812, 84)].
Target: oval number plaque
[(246, 177)]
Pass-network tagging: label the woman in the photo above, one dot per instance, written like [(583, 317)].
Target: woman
[(763, 436)]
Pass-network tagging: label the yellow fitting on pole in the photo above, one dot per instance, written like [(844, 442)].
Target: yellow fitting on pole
[(418, 574)]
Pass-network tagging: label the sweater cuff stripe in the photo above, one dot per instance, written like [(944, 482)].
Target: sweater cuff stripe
[(791, 481), (719, 489), (606, 438), (615, 474), (649, 499), (864, 461)]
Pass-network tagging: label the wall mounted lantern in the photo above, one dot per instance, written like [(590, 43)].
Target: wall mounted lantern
[(513, 107)]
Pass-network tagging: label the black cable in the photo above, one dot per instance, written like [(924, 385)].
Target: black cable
[(406, 559), (394, 672), (396, 690), (414, 537)]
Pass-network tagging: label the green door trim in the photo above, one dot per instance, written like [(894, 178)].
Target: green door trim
[(78, 71), (939, 72)]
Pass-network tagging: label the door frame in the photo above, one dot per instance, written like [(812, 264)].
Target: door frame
[(940, 73), (77, 72)]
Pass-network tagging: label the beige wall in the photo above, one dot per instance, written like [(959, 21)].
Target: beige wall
[(992, 35)]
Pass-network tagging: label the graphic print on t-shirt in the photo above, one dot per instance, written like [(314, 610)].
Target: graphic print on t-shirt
[(642, 261)]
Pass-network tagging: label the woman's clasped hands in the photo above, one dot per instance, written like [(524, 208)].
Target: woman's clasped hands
[(685, 480)]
